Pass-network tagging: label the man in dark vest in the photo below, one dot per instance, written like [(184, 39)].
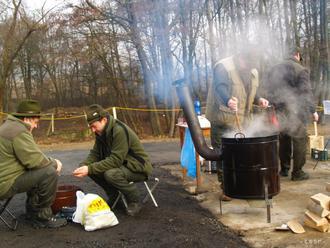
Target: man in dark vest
[(232, 93), (290, 91), (116, 159), (24, 168)]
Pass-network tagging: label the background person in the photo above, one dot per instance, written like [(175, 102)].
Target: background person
[(290, 91), (24, 168), (116, 159), (233, 91)]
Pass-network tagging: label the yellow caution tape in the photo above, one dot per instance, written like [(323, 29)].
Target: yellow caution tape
[(62, 118), (108, 109), (318, 108), (145, 110)]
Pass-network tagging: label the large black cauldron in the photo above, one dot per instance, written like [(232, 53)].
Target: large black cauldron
[(248, 164)]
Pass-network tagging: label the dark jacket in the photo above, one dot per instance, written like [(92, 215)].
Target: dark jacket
[(18, 152), (290, 91), (117, 146)]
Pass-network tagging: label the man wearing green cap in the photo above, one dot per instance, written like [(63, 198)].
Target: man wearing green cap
[(24, 168), (116, 159)]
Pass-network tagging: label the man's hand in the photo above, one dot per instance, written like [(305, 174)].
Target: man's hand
[(59, 166), (263, 103), (232, 103), (81, 171), (316, 116)]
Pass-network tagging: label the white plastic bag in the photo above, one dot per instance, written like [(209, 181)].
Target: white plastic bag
[(93, 212), (78, 214)]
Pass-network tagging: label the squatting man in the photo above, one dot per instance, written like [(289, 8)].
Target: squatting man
[(116, 159)]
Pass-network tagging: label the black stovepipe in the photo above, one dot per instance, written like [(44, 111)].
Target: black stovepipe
[(193, 123)]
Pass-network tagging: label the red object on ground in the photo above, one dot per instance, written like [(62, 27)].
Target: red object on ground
[(65, 197)]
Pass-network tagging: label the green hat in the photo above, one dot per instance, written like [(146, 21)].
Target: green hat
[(94, 113), (293, 50), (28, 108)]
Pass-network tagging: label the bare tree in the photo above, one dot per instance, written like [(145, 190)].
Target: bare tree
[(16, 30)]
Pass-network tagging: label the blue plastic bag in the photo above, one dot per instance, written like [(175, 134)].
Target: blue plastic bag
[(188, 156)]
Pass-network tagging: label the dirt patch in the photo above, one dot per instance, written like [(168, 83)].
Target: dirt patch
[(178, 222)]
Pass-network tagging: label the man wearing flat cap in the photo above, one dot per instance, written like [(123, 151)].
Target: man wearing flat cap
[(24, 168), (116, 159)]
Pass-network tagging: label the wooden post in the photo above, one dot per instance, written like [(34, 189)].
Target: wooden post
[(114, 113), (198, 173), (199, 179), (86, 119), (53, 123), (181, 132)]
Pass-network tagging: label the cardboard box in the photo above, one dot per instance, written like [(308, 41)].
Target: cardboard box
[(316, 142)]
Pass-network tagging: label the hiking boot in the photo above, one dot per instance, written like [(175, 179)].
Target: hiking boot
[(284, 172), (299, 176), (133, 208), (53, 222)]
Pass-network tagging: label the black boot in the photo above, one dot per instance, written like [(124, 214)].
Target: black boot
[(299, 176), (133, 208), (284, 172)]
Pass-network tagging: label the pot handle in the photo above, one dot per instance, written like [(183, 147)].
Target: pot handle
[(240, 134)]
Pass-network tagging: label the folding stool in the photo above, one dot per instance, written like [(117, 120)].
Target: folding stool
[(145, 199), (3, 210)]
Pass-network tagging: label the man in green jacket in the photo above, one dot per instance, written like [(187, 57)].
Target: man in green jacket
[(116, 159), (24, 168)]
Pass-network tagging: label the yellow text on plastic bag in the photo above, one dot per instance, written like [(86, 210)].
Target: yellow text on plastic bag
[(97, 205)]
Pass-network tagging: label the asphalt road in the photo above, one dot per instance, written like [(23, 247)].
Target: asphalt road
[(167, 152)]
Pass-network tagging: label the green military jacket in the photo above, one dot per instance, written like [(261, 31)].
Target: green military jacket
[(217, 111), (18, 152), (117, 146)]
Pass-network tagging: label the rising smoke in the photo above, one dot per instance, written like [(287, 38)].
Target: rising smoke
[(293, 103), (260, 125)]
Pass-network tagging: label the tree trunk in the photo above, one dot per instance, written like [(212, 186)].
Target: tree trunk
[(293, 12), (287, 24), (324, 48), (148, 84)]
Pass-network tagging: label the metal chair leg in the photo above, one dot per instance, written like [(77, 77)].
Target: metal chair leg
[(150, 190), (122, 197), (149, 194), (14, 222)]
